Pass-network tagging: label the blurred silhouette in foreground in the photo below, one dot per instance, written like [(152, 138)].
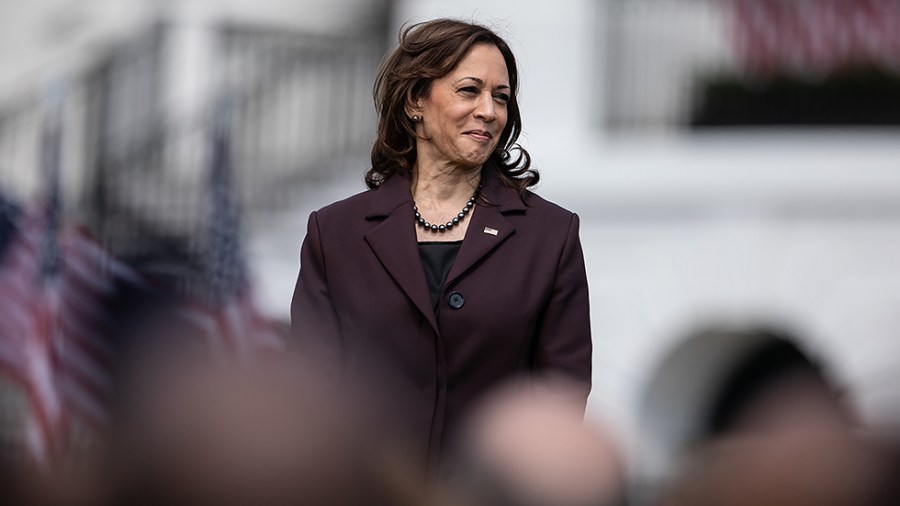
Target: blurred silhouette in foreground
[(781, 434), (197, 431), (528, 445), (796, 467), (225, 436)]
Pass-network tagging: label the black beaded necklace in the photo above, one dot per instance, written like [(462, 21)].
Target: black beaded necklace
[(452, 223)]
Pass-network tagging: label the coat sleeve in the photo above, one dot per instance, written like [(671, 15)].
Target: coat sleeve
[(315, 328), (563, 341)]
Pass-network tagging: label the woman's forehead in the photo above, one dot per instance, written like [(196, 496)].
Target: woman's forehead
[(483, 62)]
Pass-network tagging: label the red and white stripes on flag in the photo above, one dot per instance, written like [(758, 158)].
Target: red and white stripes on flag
[(234, 330), (27, 332), (816, 36), (85, 356), (56, 332)]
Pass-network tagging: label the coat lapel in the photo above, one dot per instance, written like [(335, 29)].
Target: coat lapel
[(489, 227), (394, 243), (480, 240)]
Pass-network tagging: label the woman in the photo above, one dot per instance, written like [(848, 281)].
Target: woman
[(447, 276)]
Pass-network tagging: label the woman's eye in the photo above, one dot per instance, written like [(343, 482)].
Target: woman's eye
[(502, 97), (469, 89)]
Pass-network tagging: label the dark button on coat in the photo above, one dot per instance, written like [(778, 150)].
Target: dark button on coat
[(456, 300)]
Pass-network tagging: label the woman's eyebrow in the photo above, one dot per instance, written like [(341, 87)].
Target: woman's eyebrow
[(480, 81)]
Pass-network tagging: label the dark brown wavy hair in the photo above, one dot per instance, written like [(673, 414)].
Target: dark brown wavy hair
[(429, 51)]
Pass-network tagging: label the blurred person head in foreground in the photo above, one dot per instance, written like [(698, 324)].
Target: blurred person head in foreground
[(226, 435), (815, 467), (780, 433), (528, 444), (777, 385)]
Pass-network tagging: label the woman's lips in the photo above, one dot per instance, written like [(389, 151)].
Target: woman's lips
[(479, 135)]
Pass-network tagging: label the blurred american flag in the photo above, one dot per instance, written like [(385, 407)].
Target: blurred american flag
[(26, 326), (232, 324), (819, 36), (56, 329), (58, 287)]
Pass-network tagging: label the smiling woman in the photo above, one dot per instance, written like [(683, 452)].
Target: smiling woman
[(448, 276)]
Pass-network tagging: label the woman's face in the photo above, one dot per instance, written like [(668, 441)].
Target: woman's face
[(464, 112)]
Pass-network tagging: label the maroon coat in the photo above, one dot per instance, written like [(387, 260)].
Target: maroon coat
[(362, 307)]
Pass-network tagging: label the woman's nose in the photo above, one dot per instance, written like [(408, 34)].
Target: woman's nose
[(485, 109)]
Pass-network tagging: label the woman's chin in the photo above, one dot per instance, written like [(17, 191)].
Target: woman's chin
[(477, 159)]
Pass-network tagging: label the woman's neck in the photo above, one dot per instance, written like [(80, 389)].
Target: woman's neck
[(440, 184)]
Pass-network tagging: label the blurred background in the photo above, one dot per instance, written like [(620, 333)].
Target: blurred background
[(735, 164)]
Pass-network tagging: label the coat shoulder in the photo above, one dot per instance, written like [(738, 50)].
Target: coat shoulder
[(550, 211), (354, 205)]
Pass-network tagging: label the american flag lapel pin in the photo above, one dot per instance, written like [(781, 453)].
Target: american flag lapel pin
[(490, 231)]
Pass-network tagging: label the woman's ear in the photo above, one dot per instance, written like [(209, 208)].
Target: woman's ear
[(414, 110)]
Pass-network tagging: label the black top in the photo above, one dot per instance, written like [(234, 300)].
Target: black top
[(437, 259)]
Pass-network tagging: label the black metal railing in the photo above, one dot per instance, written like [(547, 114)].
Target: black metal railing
[(136, 172)]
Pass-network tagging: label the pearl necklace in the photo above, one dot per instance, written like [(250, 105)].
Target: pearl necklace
[(420, 221)]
